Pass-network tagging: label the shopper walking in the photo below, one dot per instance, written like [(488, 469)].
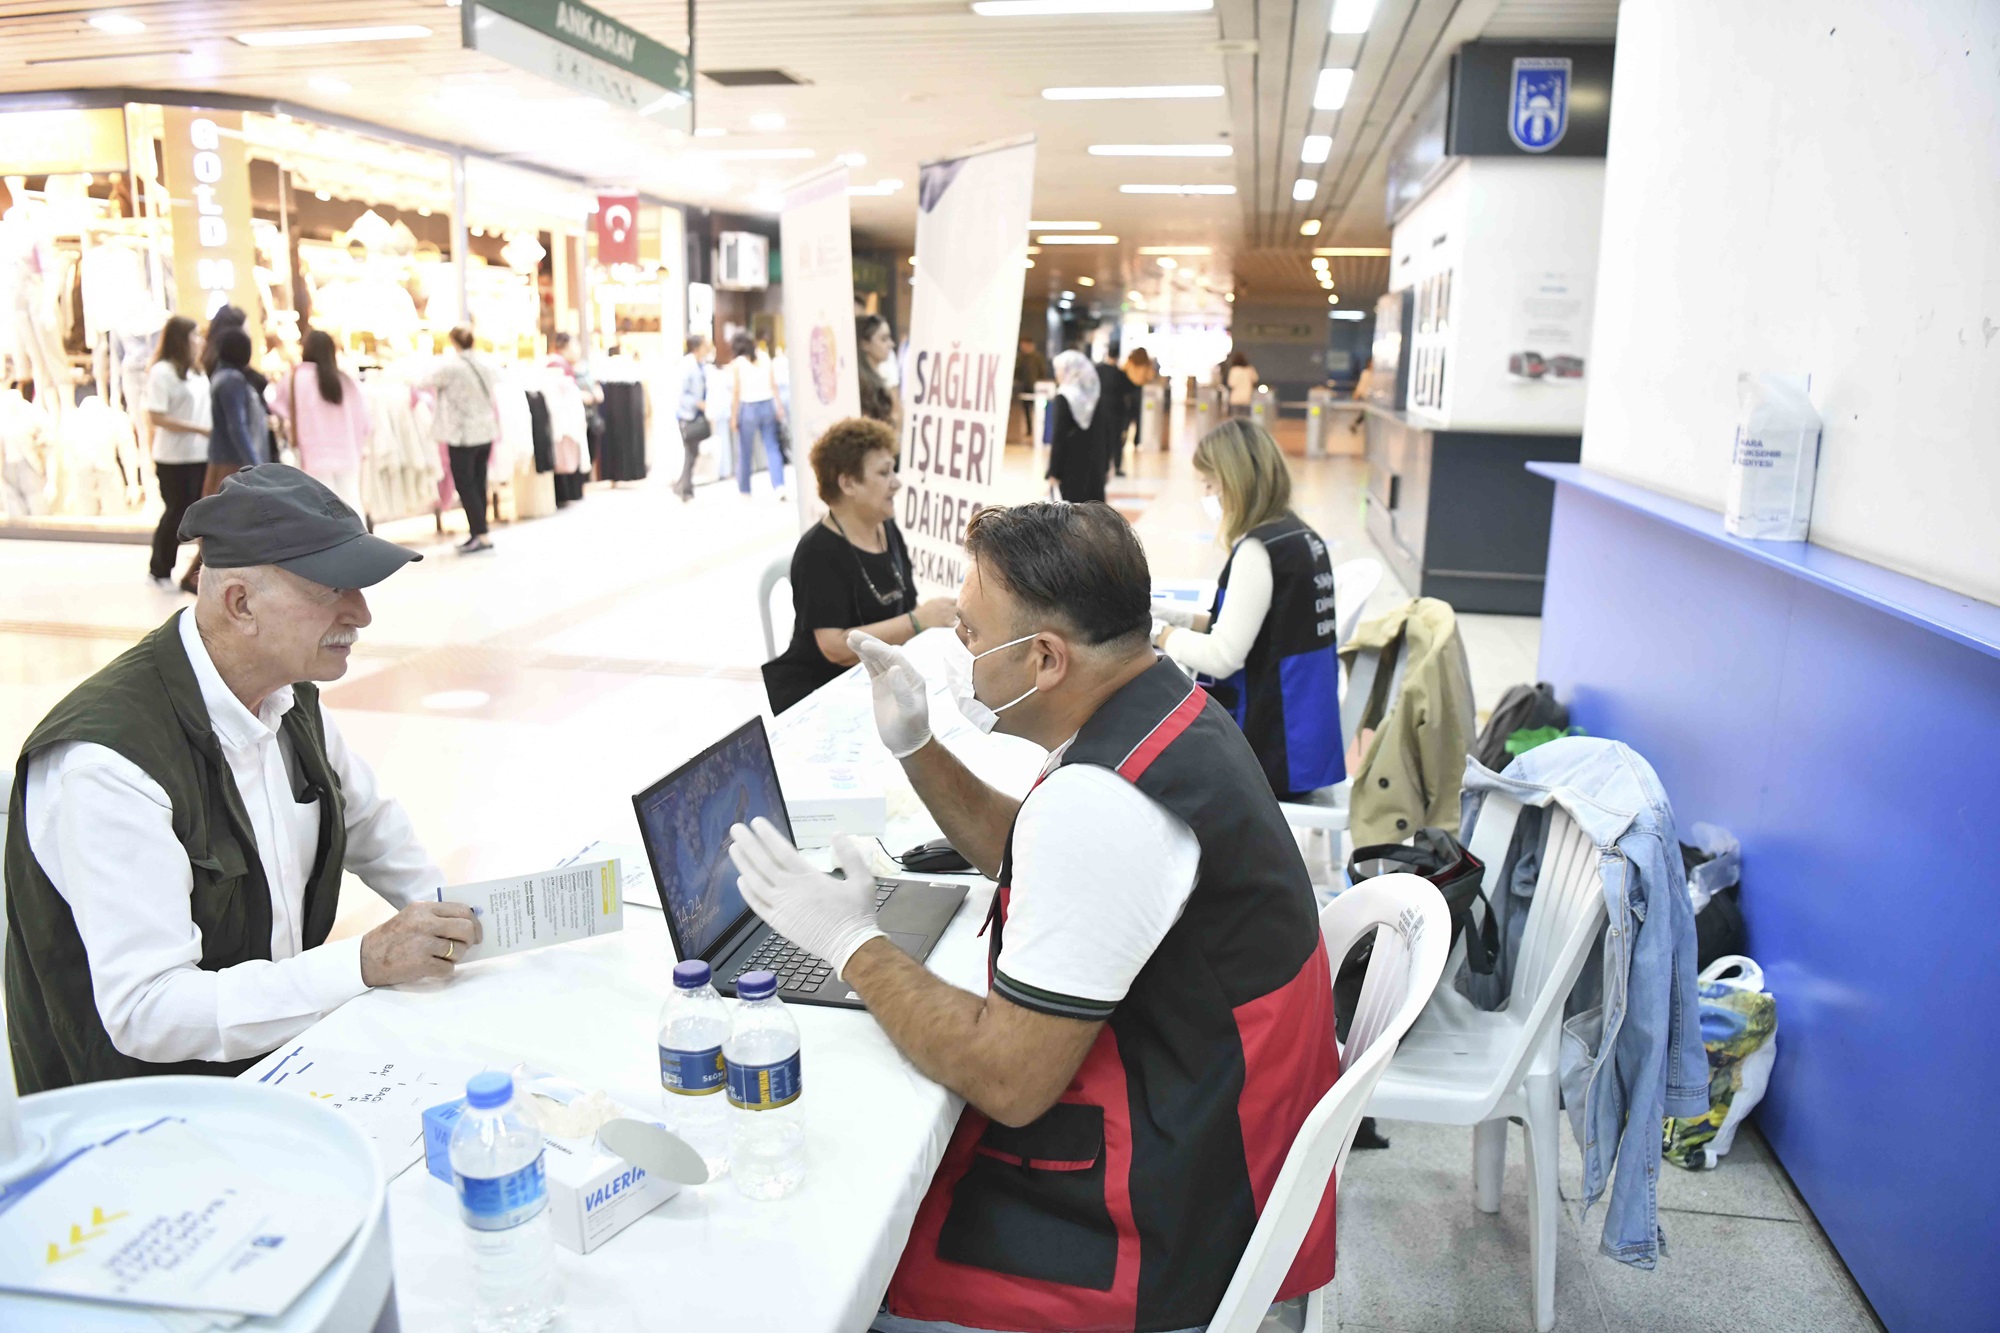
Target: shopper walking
[(1242, 384), (1115, 401), (241, 434), (1078, 457), (1265, 650), (322, 412), (692, 413), (1030, 369), (879, 398), (179, 407), (466, 420), (229, 317), (754, 407)]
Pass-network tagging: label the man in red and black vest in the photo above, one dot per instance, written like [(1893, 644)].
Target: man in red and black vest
[(1160, 1018)]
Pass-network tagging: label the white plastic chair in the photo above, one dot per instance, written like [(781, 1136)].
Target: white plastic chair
[(779, 571), (1409, 955), (1325, 814), (1354, 582), (1460, 1065)]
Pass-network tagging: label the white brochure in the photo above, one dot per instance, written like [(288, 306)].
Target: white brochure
[(160, 1216), (384, 1097), (573, 902)]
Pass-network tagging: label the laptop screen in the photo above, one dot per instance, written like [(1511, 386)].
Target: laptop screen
[(685, 818)]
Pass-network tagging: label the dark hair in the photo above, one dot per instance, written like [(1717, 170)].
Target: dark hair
[(696, 342), (1238, 359), (1079, 563), (232, 347), (558, 341), (461, 337), (174, 344), (318, 350), (226, 317), (742, 344), (876, 401), (843, 452)]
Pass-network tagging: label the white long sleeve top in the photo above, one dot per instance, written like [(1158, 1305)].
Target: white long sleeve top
[(1225, 647), (103, 833)]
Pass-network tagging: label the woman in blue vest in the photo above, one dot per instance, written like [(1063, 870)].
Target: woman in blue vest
[(1266, 650)]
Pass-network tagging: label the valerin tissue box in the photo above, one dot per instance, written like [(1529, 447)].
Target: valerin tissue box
[(593, 1194)]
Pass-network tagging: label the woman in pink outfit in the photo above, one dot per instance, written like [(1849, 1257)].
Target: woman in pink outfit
[(326, 418)]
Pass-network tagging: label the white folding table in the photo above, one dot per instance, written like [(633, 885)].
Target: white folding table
[(816, 1262)]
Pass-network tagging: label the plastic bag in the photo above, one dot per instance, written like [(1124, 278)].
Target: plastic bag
[(1775, 459), (1739, 1028), (1721, 867)]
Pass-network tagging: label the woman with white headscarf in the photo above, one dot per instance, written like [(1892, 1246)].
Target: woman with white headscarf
[(1079, 452)]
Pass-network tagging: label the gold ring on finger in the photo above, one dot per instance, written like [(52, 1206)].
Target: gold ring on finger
[(449, 946)]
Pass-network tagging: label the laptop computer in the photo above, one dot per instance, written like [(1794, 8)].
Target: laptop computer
[(684, 822)]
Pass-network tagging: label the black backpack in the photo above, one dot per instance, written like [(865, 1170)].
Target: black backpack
[(1440, 858), (1524, 707)]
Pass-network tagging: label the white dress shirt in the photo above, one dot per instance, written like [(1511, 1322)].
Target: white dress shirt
[(1102, 872), (103, 833)]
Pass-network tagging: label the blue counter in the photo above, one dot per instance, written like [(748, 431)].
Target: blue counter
[(1843, 720)]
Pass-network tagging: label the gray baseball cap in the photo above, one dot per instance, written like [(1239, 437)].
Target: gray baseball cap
[(271, 514)]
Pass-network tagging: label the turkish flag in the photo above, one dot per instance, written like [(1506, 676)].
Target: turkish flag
[(617, 228)]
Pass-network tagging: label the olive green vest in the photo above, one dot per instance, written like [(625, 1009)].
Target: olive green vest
[(147, 706)]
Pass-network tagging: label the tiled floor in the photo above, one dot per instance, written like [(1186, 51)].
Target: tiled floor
[(514, 702)]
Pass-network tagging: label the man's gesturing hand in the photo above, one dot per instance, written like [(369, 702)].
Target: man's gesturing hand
[(822, 915), (415, 943), (902, 701)]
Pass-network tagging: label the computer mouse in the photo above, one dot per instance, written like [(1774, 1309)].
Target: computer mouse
[(936, 857)]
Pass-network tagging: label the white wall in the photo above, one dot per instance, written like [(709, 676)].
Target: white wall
[(1494, 223), (1811, 186)]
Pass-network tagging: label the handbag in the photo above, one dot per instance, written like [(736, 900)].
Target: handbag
[(1437, 856), (696, 428)]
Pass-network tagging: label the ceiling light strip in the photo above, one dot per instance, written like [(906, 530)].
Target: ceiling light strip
[(1161, 150), (1140, 93), (332, 36)]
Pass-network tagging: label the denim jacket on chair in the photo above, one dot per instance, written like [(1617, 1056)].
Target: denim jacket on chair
[(1636, 1056)]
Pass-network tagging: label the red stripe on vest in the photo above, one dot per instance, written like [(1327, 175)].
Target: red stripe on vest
[(927, 1287), (1165, 734), (1290, 1063)]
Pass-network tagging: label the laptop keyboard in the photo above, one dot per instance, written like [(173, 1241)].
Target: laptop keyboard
[(796, 969)]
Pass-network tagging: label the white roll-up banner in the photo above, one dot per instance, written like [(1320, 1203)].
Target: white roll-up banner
[(965, 322), (817, 252)]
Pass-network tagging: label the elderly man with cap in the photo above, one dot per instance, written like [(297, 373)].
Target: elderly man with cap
[(180, 822)]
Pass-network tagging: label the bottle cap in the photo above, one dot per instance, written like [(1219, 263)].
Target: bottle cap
[(691, 976), (756, 986), (490, 1089)]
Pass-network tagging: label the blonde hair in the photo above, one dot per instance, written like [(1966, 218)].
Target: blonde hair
[(1249, 467)]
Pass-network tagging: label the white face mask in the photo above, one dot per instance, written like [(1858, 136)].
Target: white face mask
[(1212, 506), (958, 671)]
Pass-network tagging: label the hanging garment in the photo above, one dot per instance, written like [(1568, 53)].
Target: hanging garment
[(539, 433), (27, 457), (98, 452), (624, 455)]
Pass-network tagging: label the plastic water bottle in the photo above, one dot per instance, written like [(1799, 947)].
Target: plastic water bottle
[(496, 1166), (767, 1140), (694, 1024)]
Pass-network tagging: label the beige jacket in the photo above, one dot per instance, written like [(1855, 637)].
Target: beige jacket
[(1410, 772)]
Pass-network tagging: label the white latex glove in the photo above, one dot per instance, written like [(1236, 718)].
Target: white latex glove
[(1177, 613), (824, 916), (902, 700)]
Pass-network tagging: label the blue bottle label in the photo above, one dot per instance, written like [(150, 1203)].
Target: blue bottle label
[(765, 1087), (495, 1203), (692, 1073)]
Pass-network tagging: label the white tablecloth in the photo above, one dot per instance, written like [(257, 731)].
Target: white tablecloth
[(708, 1259)]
